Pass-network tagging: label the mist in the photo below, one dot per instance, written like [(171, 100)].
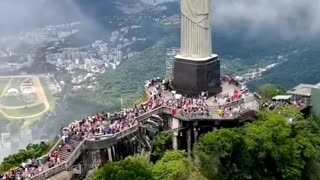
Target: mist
[(288, 18), (18, 16), (26, 15)]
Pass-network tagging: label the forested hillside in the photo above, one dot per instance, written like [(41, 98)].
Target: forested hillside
[(127, 81), (302, 67)]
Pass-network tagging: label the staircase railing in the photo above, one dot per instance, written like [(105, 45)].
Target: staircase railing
[(74, 155), (50, 172)]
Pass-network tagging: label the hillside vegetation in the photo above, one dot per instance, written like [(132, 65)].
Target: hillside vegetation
[(127, 81), (302, 67), (31, 152)]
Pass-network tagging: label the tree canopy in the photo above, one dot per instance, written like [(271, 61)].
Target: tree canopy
[(271, 148), (173, 166), (268, 91), (160, 144), (131, 168), (31, 152), (176, 166)]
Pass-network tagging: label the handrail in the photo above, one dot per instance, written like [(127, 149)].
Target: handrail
[(247, 98), (45, 174), (75, 154), (54, 147), (148, 96)]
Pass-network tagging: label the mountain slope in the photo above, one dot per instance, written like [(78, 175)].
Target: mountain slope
[(127, 81)]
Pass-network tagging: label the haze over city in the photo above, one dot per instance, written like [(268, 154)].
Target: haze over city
[(289, 19)]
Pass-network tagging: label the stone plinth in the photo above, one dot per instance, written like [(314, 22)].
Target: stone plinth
[(192, 76)]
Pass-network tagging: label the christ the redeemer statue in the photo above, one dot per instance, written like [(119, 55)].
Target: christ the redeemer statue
[(195, 29), (196, 69)]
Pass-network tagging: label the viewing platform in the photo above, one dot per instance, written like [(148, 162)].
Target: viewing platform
[(219, 108), (234, 105)]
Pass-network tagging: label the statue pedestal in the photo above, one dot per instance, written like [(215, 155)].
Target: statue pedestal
[(192, 76)]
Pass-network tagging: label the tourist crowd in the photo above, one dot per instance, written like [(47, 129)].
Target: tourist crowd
[(188, 107), (33, 167), (109, 124)]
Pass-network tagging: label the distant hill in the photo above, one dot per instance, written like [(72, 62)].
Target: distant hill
[(302, 67)]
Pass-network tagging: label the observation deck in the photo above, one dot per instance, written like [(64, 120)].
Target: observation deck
[(226, 106)]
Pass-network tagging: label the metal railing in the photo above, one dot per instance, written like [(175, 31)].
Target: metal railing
[(246, 99)]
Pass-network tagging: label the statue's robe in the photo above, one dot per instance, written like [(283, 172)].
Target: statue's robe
[(196, 11), (195, 29)]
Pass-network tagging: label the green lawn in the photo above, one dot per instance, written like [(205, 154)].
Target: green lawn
[(13, 101), (27, 111)]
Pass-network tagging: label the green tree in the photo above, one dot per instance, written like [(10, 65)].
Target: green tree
[(160, 144), (220, 154), (271, 148), (137, 168), (176, 166), (32, 151), (268, 91)]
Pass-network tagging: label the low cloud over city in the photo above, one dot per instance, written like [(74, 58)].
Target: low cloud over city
[(17, 16), (288, 17)]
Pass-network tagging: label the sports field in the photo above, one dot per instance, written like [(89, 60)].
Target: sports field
[(24, 97)]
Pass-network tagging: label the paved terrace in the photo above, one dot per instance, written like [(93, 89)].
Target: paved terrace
[(216, 104)]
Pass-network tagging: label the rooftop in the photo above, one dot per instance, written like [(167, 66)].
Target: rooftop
[(302, 90), (282, 97), (317, 86)]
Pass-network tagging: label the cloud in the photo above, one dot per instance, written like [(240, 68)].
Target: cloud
[(288, 17), (22, 15)]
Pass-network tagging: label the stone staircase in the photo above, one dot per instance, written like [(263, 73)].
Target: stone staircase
[(64, 154), (64, 157)]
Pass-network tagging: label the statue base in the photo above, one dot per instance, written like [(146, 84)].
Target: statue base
[(193, 76)]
